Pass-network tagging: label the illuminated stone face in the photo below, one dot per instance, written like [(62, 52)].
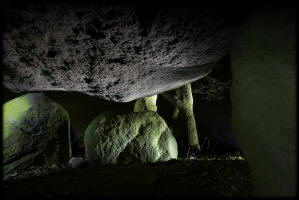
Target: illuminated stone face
[(108, 51), (35, 133), (124, 138), (13, 111)]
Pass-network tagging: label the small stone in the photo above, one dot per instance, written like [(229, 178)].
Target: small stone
[(76, 162)]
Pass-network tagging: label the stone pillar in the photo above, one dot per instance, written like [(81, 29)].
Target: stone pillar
[(147, 103), (263, 98)]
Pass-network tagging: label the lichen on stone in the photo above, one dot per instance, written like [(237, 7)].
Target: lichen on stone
[(131, 137), (36, 133)]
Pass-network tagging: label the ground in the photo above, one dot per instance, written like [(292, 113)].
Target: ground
[(211, 175)]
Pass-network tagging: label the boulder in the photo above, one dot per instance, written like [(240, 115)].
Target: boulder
[(141, 137), (263, 98), (117, 52), (35, 133)]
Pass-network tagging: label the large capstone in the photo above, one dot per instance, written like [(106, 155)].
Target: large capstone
[(35, 133), (116, 52), (263, 97), (142, 137)]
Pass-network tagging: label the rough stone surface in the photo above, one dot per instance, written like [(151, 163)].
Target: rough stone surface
[(35, 133), (263, 97), (147, 103), (125, 138), (116, 52)]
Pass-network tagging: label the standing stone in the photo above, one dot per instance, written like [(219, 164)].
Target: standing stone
[(264, 99), (35, 133), (140, 137), (146, 103)]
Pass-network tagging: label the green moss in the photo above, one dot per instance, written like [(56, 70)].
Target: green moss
[(13, 111), (112, 138), (147, 103), (35, 133), (150, 103)]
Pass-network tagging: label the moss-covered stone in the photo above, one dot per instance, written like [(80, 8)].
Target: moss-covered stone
[(125, 138), (146, 103), (263, 97), (35, 133)]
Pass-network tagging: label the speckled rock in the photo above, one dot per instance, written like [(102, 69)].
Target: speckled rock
[(116, 52), (35, 133), (263, 97), (141, 137)]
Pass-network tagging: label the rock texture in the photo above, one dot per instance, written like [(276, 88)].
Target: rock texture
[(116, 52), (35, 133), (263, 97), (125, 138), (147, 103)]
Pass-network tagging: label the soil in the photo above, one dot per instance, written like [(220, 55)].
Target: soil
[(211, 175)]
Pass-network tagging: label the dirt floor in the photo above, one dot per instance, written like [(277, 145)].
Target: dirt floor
[(210, 175)]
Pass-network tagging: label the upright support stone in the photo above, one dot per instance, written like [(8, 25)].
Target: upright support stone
[(263, 98), (147, 103), (183, 100), (174, 118), (187, 100)]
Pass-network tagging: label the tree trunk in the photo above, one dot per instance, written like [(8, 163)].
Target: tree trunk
[(147, 103)]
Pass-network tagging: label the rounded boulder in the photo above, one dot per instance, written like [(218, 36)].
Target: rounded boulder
[(142, 137), (35, 133)]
